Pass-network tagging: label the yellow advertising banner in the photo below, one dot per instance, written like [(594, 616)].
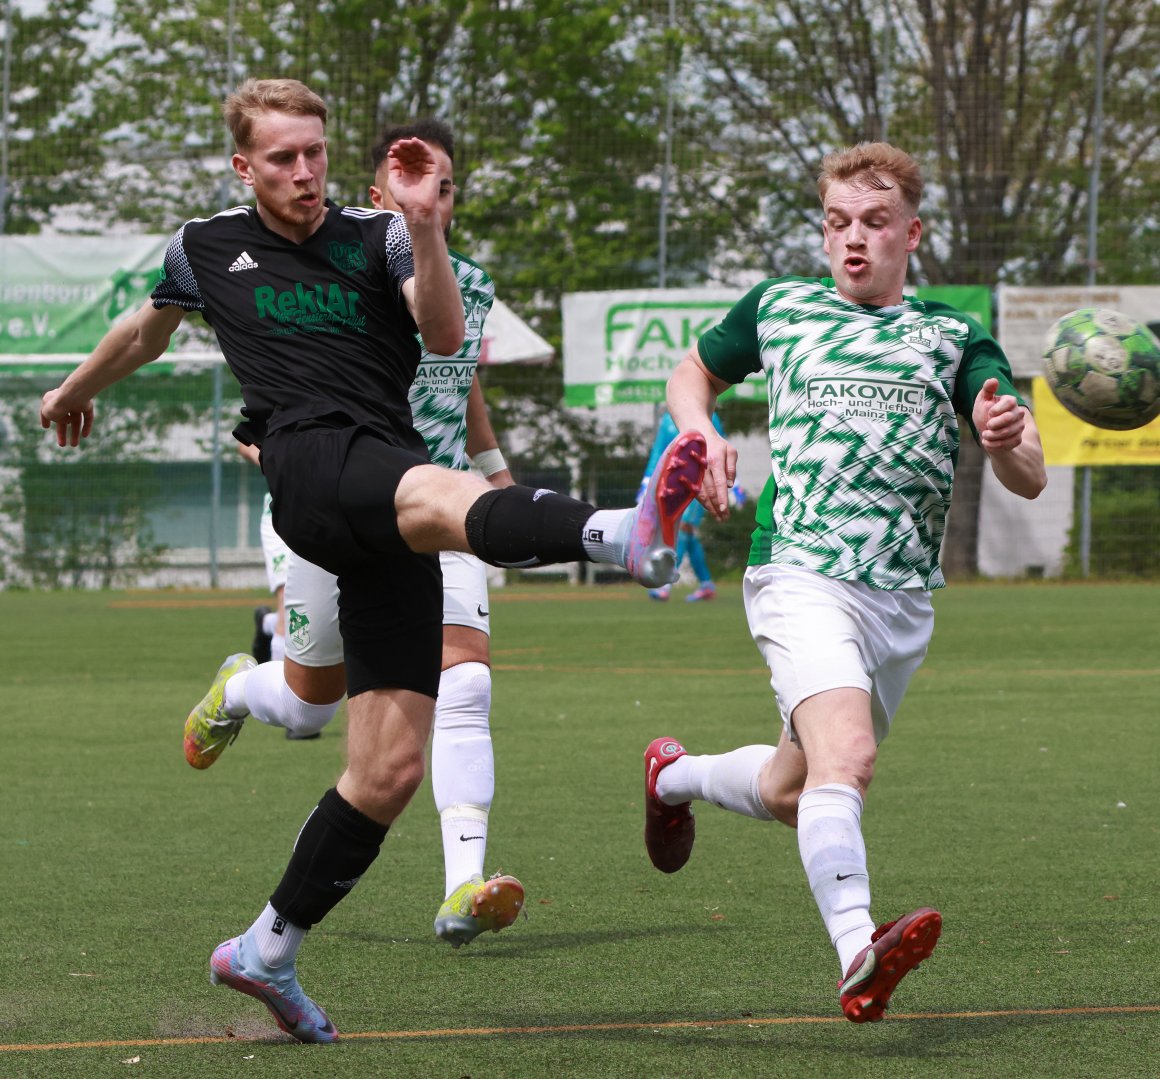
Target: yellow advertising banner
[(1070, 441)]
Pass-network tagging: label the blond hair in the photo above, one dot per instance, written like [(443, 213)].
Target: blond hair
[(255, 97), (876, 165)]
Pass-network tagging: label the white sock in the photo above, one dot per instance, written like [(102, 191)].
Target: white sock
[(278, 646), (463, 768), (464, 830), (834, 856), (277, 940), (270, 623), (269, 699), (728, 780), (234, 695), (606, 535)]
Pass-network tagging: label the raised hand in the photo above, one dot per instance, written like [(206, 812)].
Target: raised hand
[(412, 177), (999, 420)]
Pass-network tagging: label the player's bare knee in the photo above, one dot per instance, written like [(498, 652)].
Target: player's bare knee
[(391, 779), (860, 766), (431, 504)]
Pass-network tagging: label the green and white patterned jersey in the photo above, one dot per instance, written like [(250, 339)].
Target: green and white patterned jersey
[(439, 393), (863, 431)]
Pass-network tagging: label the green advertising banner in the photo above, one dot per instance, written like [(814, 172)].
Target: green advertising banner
[(60, 294), (621, 347)]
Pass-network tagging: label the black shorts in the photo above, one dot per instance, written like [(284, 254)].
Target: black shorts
[(333, 490)]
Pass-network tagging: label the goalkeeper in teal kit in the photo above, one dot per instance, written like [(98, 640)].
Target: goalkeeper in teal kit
[(688, 534), (865, 387)]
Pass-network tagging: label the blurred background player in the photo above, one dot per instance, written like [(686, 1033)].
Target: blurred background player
[(688, 536), (303, 694)]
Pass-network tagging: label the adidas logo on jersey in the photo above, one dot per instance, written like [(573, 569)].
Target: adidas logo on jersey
[(243, 262)]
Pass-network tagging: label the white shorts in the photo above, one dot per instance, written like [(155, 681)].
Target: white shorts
[(274, 551), (817, 633), (311, 600)]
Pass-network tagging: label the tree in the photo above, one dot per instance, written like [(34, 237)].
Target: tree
[(995, 98), (50, 63)]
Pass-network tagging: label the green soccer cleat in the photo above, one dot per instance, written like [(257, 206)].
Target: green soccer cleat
[(208, 730), (477, 906)]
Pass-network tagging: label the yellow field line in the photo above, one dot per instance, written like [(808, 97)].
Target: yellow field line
[(589, 1028), (180, 602), (931, 672)]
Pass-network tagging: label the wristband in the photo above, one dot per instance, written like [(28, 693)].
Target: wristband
[(489, 462)]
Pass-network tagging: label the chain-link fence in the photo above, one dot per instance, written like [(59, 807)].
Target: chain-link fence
[(600, 145), (159, 497)]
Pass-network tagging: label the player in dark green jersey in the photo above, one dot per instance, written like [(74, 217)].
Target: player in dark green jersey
[(865, 385)]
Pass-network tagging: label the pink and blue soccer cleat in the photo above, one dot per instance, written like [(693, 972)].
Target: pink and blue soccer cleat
[(235, 963), (650, 557)]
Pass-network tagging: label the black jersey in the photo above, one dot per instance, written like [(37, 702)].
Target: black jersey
[(312, 329)]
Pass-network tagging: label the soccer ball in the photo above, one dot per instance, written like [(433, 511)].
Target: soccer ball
[(1104, 367)]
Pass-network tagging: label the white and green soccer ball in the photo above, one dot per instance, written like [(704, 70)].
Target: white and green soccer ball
[(1104, 367)]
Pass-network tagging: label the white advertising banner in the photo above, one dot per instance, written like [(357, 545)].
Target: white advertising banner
[(620, 347), (59, 294)]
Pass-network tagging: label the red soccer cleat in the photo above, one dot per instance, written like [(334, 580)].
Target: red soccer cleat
[(895, 949), (669, 831)]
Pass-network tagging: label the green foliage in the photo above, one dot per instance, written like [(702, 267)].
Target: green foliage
[(50, 67), (86, 523), (561, 157), (1125, 521), (999, 113), (72, 518)]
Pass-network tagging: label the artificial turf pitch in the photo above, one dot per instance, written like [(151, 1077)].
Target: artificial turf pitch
[(1018, 794)]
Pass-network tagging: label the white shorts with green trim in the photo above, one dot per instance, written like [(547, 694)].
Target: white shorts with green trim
[(275, 553), (818, 633), (311, 600)]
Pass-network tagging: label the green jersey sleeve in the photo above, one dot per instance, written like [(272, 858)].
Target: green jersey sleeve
[(731, 350), (982, 359)]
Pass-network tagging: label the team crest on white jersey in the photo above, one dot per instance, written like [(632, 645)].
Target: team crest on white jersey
[(924, 338), (243, 262), (474, 314)]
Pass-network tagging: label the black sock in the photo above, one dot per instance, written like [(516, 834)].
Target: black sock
[(335, 848), (519, 526)]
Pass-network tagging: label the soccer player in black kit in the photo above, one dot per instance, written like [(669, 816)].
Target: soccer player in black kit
[(319, 309)]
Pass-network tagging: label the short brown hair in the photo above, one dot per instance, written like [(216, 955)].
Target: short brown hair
[(876, 165), (257, 96)]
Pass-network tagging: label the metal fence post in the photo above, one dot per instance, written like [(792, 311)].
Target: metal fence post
[(215, 498)]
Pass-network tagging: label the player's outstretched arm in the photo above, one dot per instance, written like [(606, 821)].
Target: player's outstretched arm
[(692, 398), (130, 344), (1008, 435), (482, 445), (432, 295)]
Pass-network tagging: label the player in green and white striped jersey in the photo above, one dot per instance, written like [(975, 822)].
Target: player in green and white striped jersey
[(864, 385)]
